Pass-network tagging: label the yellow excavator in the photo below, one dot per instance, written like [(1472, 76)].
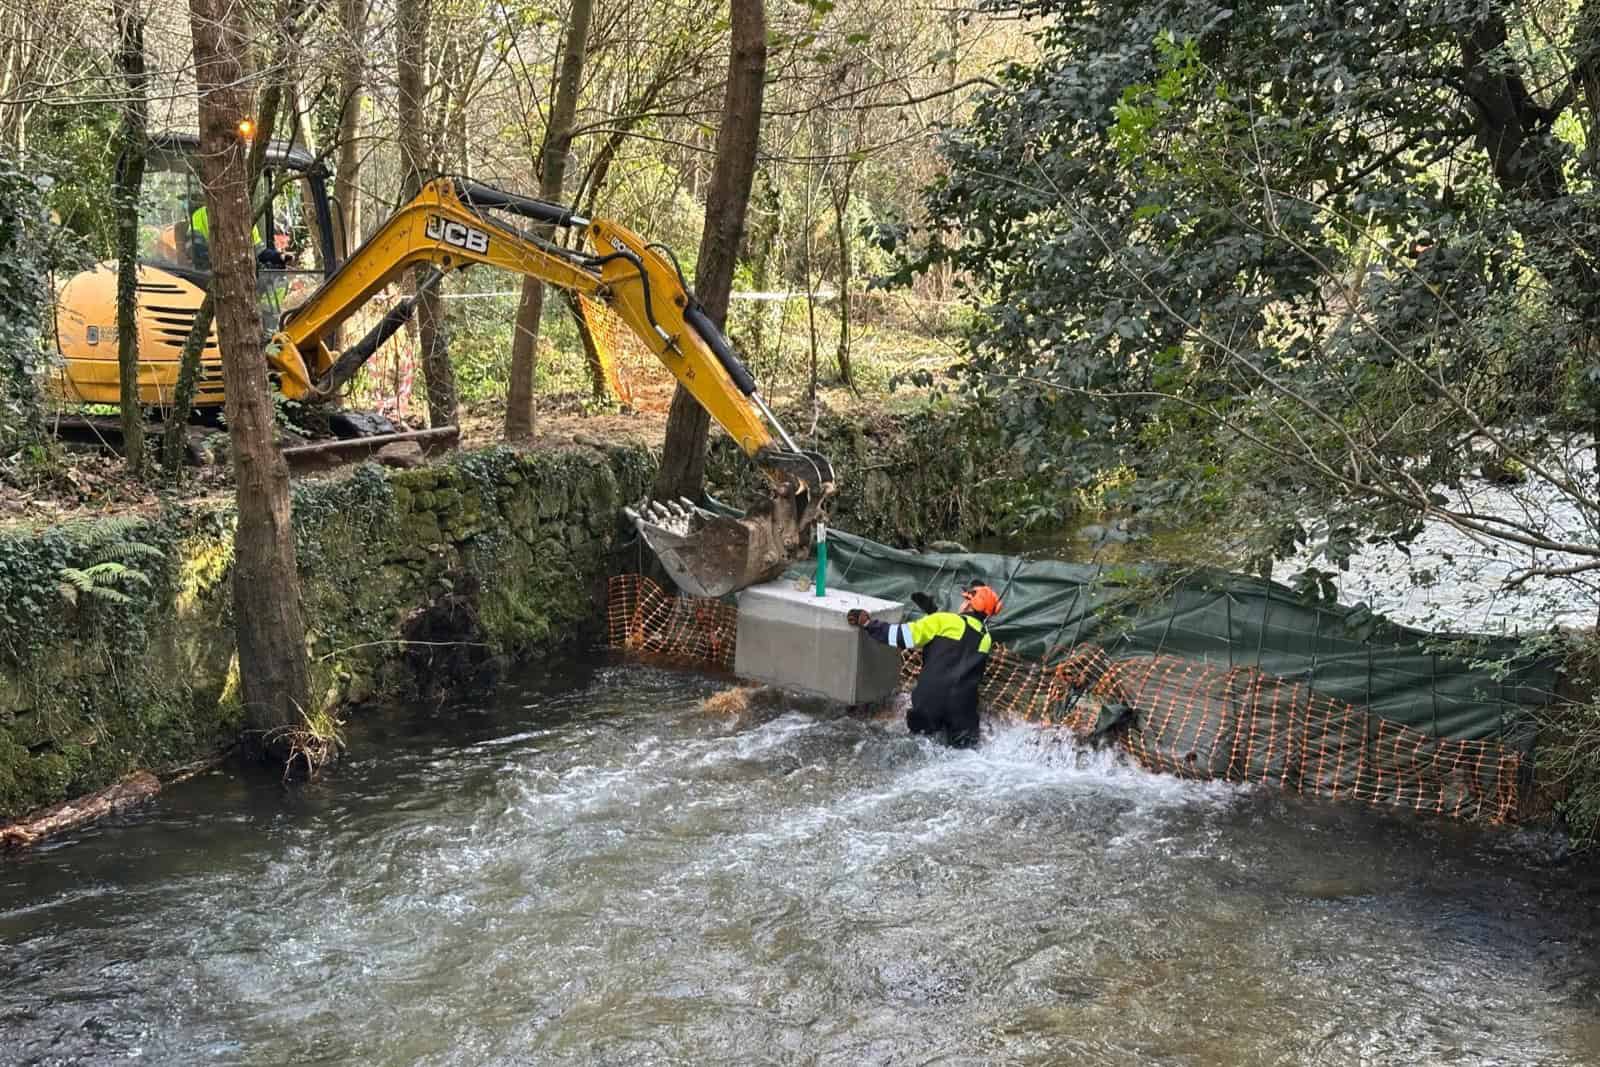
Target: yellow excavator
[(452, 224)]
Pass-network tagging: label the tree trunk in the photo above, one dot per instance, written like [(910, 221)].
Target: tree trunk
[(433, 338), (841, 224), (763, 242), (352, 94), (588, 190), (183, 395), (524, 361), (412, 18), (128, 792), (1515, 132), (172, 435), (599, 385), (683, 451), (552, 176), (266, 585), (128, 181), (806, 244), (1586, 74), (300, 131)]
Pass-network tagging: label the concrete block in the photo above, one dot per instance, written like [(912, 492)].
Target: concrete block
[(794, 639)]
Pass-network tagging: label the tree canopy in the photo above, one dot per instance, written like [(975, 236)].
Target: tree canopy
[(1295, 260)]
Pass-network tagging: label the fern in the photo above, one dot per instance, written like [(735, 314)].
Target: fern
[(96, 581), (127, 550), (108, 530), (112, 541)]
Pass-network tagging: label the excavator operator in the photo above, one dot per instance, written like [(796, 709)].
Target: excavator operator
[(200, 241), (956, 648)]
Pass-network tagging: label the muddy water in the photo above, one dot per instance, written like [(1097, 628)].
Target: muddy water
[(597, 869)]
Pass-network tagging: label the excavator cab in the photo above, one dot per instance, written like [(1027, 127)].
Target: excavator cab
[(298, 246)]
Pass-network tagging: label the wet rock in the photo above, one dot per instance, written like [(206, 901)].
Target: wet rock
[(1116, 532), (402, 454), (552, 501), (447, 649), (422, 528)]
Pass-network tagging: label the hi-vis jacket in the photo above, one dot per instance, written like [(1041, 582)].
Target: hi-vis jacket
[(954, 651)]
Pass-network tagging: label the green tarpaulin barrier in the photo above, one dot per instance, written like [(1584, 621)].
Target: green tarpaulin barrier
[(1223, 619)]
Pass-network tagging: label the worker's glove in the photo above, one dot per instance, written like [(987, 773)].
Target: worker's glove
[(857, 617)]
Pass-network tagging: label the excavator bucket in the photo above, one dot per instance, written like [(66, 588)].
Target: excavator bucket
[(711, 555)]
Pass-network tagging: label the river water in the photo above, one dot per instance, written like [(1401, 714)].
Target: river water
[(600, 868), (1443, 580)]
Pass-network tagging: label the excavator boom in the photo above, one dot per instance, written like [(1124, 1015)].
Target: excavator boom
[(453, 224)]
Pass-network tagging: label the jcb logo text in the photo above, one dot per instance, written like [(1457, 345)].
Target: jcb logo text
[(454, 233)]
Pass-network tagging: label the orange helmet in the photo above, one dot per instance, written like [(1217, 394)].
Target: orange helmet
[(981, 599)]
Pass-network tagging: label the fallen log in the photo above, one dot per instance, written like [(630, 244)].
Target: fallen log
[(186, 771), (326, 454), (131, 791)]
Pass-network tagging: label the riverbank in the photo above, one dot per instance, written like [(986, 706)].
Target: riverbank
[(117, 645), (117, 642), (911, 477)]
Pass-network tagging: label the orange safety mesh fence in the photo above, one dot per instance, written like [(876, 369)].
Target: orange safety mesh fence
[(634, 371), (1172, 715), (644, 619)]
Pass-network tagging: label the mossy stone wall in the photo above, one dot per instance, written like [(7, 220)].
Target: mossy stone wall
[(143, 673)]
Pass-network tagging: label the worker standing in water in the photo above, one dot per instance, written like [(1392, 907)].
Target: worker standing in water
[(955, 647)]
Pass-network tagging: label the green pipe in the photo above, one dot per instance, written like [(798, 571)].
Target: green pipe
[(822, 558)]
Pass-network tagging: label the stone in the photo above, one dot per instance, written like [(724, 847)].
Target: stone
[(423, 528), (552, 501), (401, 454), (794, 639), (359, 690), (947, 547)]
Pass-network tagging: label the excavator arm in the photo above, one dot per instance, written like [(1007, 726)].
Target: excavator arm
[(448, 226)]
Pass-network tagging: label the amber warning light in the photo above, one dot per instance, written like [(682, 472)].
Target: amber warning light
[(247, 129)]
